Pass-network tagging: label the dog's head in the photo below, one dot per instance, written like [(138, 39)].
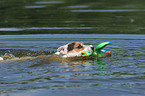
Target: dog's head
[(74, 49)]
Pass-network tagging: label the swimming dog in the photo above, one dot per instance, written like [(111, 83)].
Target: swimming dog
[(74, 49)]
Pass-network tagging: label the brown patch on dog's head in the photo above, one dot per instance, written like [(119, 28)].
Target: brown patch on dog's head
[(75, 46)]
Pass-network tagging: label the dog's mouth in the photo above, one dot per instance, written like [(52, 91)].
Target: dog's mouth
[(92, 48)]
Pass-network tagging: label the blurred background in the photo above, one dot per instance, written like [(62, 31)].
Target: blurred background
[(72, 16)]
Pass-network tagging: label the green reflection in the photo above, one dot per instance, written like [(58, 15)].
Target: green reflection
[(124, 17)]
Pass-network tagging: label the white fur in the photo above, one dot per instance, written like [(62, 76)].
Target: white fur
[(62, 51), (1, 58)]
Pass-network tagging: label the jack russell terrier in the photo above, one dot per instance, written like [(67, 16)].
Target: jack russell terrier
[(74, 49)]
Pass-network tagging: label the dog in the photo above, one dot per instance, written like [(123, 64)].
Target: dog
[(74, 49)]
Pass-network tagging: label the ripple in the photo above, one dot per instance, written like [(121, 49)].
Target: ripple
[(60, 28), (113, 10), (35, 6), (115, 37), (40, 28), (49, 2), (79, 6), (11, 29), (125, 68)]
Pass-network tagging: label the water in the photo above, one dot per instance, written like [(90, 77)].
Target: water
[(72, 16), (122, 74)]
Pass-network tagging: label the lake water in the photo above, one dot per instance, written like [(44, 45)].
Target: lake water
[(96, 21), (122, 74), (72, 16)]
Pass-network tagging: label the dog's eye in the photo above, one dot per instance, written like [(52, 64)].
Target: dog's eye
[(79, 47)]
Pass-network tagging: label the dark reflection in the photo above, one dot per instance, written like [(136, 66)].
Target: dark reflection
[(73, 16)]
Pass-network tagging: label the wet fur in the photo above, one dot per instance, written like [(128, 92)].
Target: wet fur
[(71, 48)]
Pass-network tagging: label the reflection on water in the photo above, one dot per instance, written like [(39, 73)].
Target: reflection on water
[(100, 16), (35, 28), (117, 10), (83, 37), (11, 29), (37, 73), (81, 6), (49, 2), (34, 6), (60, 28)]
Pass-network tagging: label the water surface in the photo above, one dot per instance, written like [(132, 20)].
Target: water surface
[(72, 16), (122, 74)]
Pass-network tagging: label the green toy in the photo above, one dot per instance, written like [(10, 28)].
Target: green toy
[(99, 51)]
